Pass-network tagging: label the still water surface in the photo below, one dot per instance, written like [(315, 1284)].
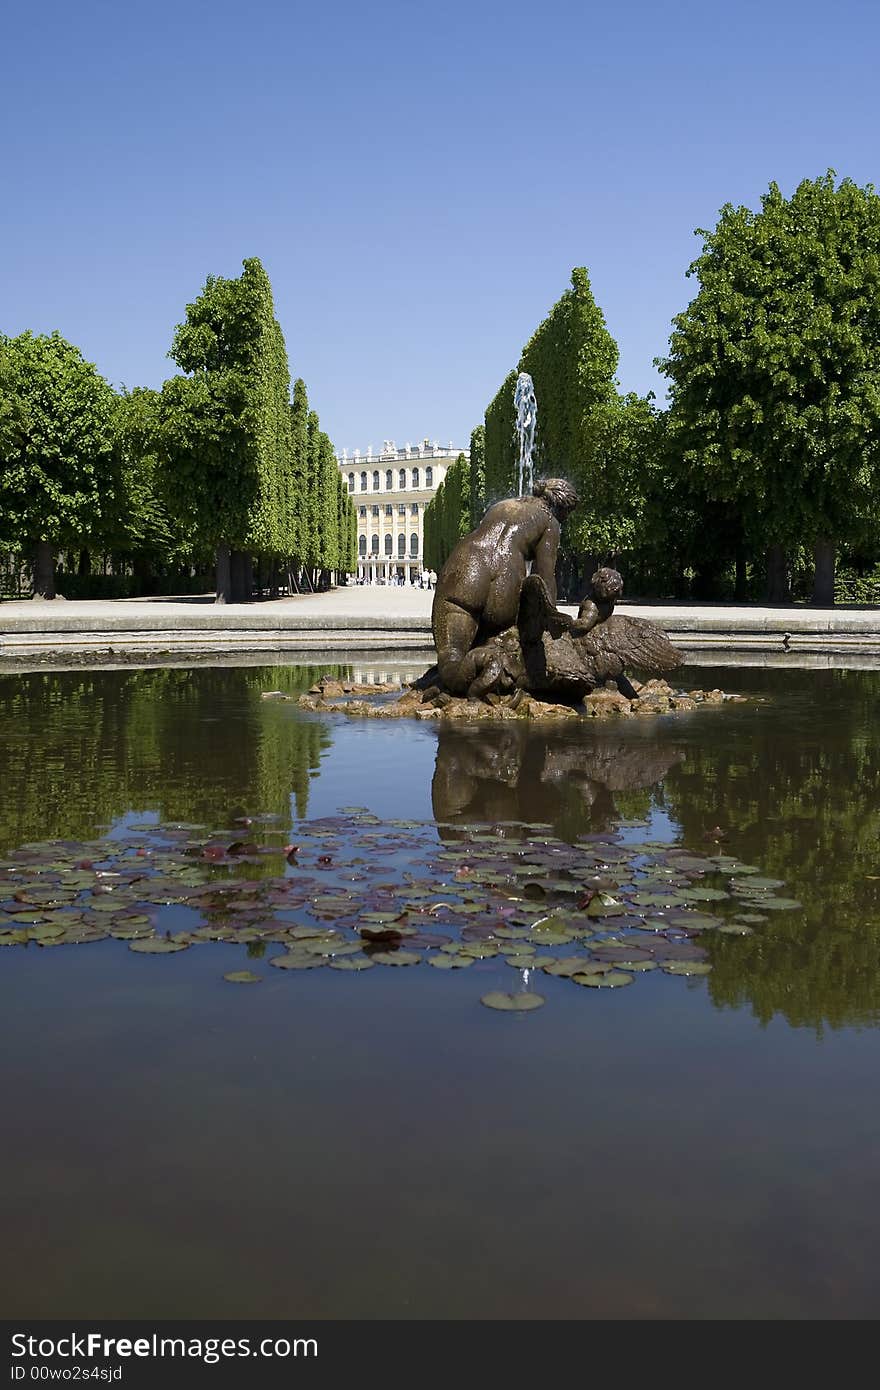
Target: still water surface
[(378, 1144)]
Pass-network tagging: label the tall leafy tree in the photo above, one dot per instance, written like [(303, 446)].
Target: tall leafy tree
[(584, 430), (775, 371), (226, 441), (59, 482), (477, 473)]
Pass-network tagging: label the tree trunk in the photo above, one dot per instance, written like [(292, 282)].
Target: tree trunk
[(740, 588), (777, 575), (224, 578), (236, 573), (824, 554), (44, 570), (241, 567), (84, 564)]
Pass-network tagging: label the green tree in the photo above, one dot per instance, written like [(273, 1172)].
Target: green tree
[(585, 430), (478, 473), (447, 515), (775, 371), (225, 427), (146, 531), (59, 483)]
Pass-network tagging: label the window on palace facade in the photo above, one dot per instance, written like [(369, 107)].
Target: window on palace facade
[(401, 546), (401, 509), (429, 477), (389, 480), (389, 510), (402, 479), (362, 545), (351, 482), (376, 481), (375, 511), (363, 511), (363, 482), (415, 477), (374, 545), (387, 545), (413, 544), (414, 509)]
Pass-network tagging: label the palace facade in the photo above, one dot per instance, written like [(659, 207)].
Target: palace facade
[(391, 490)]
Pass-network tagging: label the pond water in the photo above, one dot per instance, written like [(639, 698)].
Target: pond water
[(375, 1143)]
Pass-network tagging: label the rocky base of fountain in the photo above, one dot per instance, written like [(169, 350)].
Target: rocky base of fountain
[(653, 697)]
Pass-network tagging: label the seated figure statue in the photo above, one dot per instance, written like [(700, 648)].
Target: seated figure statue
[(479, 589), (496, 625)]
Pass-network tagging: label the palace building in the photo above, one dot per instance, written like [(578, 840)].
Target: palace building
[(391, 490)]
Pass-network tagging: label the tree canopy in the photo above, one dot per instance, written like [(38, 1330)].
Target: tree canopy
[(59, 481), (774, 366)]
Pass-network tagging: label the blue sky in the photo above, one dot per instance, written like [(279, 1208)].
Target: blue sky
[(417, 179)]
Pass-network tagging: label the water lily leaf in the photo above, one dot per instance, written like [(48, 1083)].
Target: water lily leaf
[(13, 938), (291, 961), (450, 962), (694, 921), (360, 962), (605, 907), (685, 967), (702, 895), (779, 904), (609, 979), (397, 957), (44, 932), (330, 948), (547, 936), (757, 884), (660, 898), (752, 919), (514, 1003), (83, 935), (157, 945), (243, 977), (736, 929), (567, 966)]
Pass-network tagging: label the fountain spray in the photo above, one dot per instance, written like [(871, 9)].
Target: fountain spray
[(526, 422)]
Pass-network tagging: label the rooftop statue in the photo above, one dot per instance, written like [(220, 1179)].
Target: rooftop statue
[(495, 622)]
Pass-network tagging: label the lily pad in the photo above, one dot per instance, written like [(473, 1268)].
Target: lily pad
[(685, 967), (397, 957), (450, 962), (609, 979), (291, 961), (351, 963), (512, 1003), (243, 977), (157, 946)]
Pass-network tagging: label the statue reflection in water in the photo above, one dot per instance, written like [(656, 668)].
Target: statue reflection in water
[(510, 772)]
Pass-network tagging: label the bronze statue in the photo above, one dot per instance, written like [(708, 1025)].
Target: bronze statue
[(478, 590), (496, 625)]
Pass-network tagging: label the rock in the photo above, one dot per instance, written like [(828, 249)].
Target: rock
[(332, 690), (427, 713), (683, 702), (273, 695), (656, 687), (714, 697), (651, 704), (604, 703)]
